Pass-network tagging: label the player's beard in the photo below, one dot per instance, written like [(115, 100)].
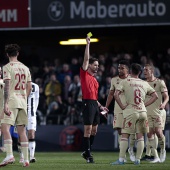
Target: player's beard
[(93, 70), (121, 74), (147, 76)]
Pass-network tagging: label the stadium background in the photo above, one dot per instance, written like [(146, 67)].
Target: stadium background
[(39, 26)]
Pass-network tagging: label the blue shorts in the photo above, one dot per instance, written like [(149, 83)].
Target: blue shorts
[(13, 132)]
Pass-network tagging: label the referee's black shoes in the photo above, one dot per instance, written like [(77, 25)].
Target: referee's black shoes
[(88, 159), (84, 155)]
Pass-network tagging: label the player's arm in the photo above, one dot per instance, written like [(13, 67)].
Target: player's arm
[(153, 98), (28, 88), (86, 55), (165, 100), (117, 98), (6, 91), (109, 98), (6, 96)]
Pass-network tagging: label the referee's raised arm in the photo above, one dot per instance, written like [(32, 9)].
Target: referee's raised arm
[(86, 55)]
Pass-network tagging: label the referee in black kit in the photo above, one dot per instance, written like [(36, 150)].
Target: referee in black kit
[(91, 107)]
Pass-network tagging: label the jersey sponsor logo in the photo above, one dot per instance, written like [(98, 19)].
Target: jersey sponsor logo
[(137, 107)]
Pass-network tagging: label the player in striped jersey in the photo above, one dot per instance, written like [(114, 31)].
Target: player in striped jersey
[(33, 101)]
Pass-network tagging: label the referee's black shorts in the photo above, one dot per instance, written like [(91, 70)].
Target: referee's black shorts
[(91, 114)]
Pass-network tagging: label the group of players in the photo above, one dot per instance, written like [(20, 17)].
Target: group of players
[(139, 109), (19, 98)]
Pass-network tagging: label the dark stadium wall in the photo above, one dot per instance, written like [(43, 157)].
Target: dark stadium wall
[(52, 138), (46, 42)]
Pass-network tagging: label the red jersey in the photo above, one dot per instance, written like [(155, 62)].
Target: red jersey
[(89, 85)]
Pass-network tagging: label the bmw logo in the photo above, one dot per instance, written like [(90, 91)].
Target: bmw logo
[(55, 10)]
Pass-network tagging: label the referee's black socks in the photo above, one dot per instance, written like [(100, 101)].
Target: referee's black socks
[(87, 146), (91, 141)]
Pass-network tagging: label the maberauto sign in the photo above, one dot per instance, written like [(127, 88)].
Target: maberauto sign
[(87, 13), (100, 10)]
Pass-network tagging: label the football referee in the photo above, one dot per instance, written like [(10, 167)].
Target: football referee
[(91, 106)]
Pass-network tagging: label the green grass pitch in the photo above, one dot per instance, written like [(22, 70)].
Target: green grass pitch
[(73, 161)]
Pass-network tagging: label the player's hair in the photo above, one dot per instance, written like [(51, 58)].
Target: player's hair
[(151, 66), (92, 60), (12, 49), (136, 68), (124, 62)]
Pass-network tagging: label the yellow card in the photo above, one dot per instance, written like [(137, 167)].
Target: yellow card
[(89, 34)]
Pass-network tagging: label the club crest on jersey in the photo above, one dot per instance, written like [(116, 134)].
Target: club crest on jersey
[(11, 64)]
